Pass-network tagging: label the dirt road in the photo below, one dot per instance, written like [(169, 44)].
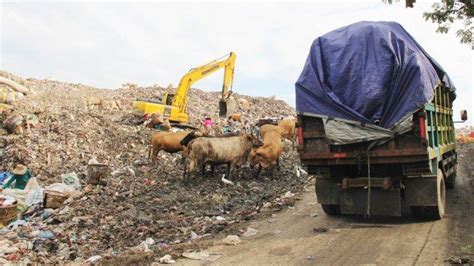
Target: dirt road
[(306, 235)]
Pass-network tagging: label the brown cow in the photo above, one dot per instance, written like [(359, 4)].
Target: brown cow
[(268, 128), (91, 102), (167, 141), (269, 153), (154, 119), (288, 129), (166, 126), (102, 104), (233, 151), (235, 117)]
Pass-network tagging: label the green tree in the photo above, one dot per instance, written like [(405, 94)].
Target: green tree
[(449, 11)]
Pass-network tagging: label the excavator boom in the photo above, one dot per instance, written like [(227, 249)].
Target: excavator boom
[(201, 72), (176, 111)]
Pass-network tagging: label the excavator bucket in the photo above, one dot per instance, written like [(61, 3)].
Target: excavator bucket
[(227, 107)]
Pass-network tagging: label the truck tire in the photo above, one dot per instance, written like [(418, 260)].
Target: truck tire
[(450, 181), (331, 209), (433, 212)]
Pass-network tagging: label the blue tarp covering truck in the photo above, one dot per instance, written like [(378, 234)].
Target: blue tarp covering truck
[(375, 122)]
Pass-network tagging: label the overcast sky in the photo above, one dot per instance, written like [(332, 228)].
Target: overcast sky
[(107, 44)]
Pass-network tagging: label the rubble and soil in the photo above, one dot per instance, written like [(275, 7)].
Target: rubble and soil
[(141, 212)]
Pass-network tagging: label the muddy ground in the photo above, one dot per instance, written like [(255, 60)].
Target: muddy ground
[(305, 235)]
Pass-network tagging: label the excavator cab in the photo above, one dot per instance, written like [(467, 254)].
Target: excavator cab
[(168, 98)]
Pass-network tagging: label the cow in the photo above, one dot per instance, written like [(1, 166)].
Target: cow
[(233, 151), (102, 104), (154, 119), (91, 102), (167, 141), (165, 126), (267, 128), (288, 129), (235, 117), (111, 105), (267, 156)]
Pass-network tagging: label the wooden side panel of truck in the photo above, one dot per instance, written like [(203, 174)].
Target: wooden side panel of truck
[(412, 169)]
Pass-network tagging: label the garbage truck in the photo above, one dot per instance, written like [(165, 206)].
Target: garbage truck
[(375, 123)]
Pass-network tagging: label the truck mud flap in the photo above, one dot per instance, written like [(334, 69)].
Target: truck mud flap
[(382, 202), (421, 192), (327, 192)]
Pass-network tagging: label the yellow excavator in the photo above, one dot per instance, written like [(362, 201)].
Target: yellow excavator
[(173, 105)]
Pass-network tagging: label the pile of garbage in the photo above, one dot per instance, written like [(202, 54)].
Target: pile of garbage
[(135, 208), (465, 135)]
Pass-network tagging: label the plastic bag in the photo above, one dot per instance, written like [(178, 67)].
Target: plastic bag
[(35, 196), (71, 179), (63, 188), (22, 194)]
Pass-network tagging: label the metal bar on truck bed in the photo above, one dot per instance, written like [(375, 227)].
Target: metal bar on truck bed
[(383, 153)]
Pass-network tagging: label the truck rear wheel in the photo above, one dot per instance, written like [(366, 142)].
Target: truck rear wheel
[(331, 209), (433, 212), (451, 180)]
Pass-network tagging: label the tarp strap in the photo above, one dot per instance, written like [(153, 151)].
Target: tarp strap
[(369, 190)]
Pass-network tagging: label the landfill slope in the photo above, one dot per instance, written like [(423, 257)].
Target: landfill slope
[(141, 200)]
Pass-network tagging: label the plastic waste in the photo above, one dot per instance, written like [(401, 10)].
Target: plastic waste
[(167, 259), (232, 240), (22, 194), (14, 225), (94, 258), (4, 176), (35, 196), (63, 188), (196, 255), (45, 235), (288, 195), (7, 200), (71, 179), (250, 232)]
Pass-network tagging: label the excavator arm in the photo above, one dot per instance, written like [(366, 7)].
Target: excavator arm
[(173, 106), (198, 73)]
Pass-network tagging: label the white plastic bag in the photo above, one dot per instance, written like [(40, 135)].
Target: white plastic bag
[(22, 194), (63, 188)]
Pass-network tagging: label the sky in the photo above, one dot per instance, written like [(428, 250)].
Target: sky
[(106, 44)]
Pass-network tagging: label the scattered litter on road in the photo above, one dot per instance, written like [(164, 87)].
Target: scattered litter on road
[(288, 195), (194, 236), (167, 259), (196, 255), (94, 258), (232, 240), (458, 260), (250, 232), (321, 230)]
